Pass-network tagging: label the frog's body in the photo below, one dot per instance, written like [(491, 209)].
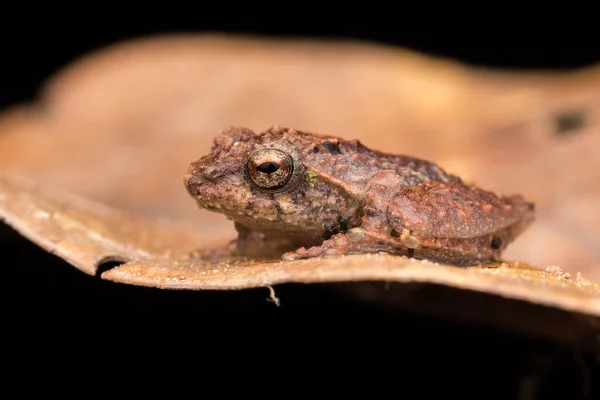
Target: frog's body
[(318, 195)]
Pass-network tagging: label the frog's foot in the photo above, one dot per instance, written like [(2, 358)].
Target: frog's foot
[(355, 241), (227, 252)]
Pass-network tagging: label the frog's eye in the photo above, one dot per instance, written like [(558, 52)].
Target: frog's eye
[(270, 168)]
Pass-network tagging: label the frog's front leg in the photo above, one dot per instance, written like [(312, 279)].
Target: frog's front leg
[(260, 246), (227, 252), (248, 245), (354, 241), (374, 233)]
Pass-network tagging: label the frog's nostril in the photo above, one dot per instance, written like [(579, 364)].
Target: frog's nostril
[(194, 190), (192, 184), (187, 178), (192, 169)]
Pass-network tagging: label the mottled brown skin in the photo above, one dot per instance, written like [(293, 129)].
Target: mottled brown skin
[(314, 195)]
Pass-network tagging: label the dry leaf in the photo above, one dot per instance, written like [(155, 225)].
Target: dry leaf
[(133, 116), (121, 126), (157, 254)]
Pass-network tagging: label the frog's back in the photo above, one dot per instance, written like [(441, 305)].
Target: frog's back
[(414, 170), (352, 162)]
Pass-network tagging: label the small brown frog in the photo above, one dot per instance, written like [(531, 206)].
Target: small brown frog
[(308, 195)]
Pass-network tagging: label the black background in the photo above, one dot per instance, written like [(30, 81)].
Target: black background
[(35, 45)]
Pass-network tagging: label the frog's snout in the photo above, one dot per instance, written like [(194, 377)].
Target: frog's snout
[(192, 180)]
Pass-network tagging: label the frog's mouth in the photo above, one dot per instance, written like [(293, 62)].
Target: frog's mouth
[(191, 182), (197, 187), (200, 183)]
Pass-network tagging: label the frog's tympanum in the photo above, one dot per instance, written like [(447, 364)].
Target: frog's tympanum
[(299, 195)]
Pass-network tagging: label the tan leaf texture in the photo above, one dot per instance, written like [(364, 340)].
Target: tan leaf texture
[(93, 168)]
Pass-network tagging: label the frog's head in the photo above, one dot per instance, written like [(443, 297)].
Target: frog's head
[(243, 172), (263, 182)]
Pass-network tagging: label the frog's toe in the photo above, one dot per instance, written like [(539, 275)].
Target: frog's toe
[(325, 250), (295, 255)]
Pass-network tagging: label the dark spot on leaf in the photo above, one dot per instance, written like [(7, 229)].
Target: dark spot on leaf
[(315, 149), (531, 206), (332, 147), (394, 233), (569, 122), (496, 242), (380, 242)]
